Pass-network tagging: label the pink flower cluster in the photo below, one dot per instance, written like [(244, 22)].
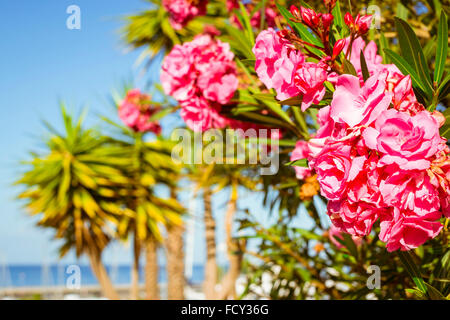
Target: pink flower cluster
[(201, 75), (376, 160), (282, 67), (183, 11), (135, 111)]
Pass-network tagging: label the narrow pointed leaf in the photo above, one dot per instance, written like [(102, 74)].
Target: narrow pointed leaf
[(413, 53), (442, 48)]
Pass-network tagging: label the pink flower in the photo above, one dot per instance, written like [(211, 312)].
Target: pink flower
[(411, 191), (359, 106), (359, 25), (408, 141), (301, 151), (203, 66), (199, 115), (355, 219), (334, 233), (178, 74), (200, 73), (276, 63), (135, 112), (309, 79), (183, 11), (406, 230), (335, 167)]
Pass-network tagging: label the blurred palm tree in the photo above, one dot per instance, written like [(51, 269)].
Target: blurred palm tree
[(150, 165), (212, 179), (70, 186), (152, 30)]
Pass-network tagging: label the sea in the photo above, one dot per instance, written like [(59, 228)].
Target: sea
[(58, 275)]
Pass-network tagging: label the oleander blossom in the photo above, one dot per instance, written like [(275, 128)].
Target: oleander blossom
[(309, 79), (183, 11), (276, 63), (136, 110), (202, 76), (280, 66), (379, 156)]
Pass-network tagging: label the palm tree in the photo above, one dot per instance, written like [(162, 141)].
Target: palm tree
[(231, 177), (150, 164), (175, 258), (72, 186)]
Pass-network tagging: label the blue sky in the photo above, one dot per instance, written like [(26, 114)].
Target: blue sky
[(41, 62)]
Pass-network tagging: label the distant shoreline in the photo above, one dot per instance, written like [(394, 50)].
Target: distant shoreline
[(56, 275)]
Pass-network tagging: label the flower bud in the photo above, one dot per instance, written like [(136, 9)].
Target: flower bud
[(327, 19), (295, 11), (310, 17), (338, 47), (348, 19), (284, 33), (363, 23)]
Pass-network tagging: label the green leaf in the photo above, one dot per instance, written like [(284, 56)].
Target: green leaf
[(364, 68), (413, 53), (348, 243), (434, 293), (247, 25), (442, 48), (412, 269), (405, 68), (308, 234), (349, 68), (161, 114), (338, 20), (444, 131), (417, 293), (444, 88), (402, 11), (429, 48), (240, 42), (298, 163), (384, 44), (294, 101)]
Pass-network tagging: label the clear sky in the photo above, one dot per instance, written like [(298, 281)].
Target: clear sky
[(41, 61)]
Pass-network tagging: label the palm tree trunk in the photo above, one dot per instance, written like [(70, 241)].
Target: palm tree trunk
[(175, 260), (152, 269), (210, 237), (134, 290), (175, 263), (102, 276), (233, 248)]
